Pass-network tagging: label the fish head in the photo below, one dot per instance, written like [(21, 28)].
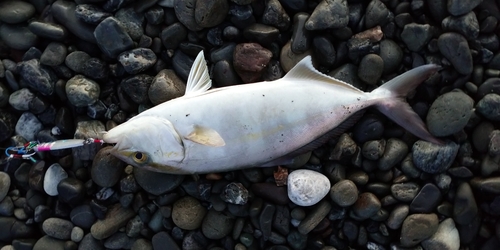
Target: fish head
[(149, 142)]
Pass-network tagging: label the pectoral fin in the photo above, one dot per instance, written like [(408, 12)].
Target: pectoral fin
[(205, 136)]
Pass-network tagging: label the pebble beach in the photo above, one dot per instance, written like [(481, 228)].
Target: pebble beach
[(73, 69)]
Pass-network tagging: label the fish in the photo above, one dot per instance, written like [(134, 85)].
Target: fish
[(260, 124)]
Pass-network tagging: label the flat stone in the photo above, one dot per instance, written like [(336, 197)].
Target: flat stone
[(417, 36), (314, 217), (210, 13), (344, 193), (488, 106), (405, 191), (418, 227)]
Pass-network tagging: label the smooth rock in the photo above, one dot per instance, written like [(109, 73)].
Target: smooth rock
[(82, 216), (416, 36), (17, 36), (28, 126), (427, 199), (395, 151), (4, 185), (82, 91), (391, 54), (15, 11), (371, 68), (405, 192), (446, 237), (449, 113), (20, 99), (455, 48), (344, 193), (210, 13), (457, 7), (106, 169), (313, 218), (217, 225), (38, 77), (488, 106), (329, 14), (51, 31), (54, 54), (91, 13), (116, 217), (467, 24), (307, 187), (397, 216), (166, 86), (418, 227), (376, 14), (47, 242), (301, 40), (185, 12), (53, 176), (71, 191), (464, 205), (163, 240), (58, 228), (432, 158), (157, 183), (188, 213), (65, 13), (366, 205), (112, 38)]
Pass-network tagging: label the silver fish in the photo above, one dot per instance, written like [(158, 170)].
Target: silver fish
[(259, 124)]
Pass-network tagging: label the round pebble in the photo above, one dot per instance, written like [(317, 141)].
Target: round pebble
[(488, 106), (58, 228), (106, 169), (449, 113), (366, 205), (82, 91), (15, 11), (371, 68), (344, 193), (188, 213), (156, 183), (165, 86), (217, 225), (445, 237), (53, 176), (307, 187), (418, 227)]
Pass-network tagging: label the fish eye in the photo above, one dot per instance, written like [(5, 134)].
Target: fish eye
[(140, 157)]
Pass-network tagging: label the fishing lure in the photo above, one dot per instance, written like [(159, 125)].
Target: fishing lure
[(29, 149)]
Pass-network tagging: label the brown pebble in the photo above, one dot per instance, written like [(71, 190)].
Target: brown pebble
[(249, 61)]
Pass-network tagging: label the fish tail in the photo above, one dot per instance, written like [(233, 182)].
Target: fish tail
[(391, 100)]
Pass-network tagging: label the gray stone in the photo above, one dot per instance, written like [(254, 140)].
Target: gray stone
[(112, 37), (449, 113), (489, 106), (65, 13), (405, 191), (416, 36), (467, 25), (465, 208), (106, 169), (20, 99), (82, 91), (17, 36), (15, 11), (137, 60), (188, 213), (397, 216), (53, 176), (458, 7), (455, 48), (166, 86), (344, 193), (371, 68), (185, 12), (28, 126), (210, 13), (4, 185), (217, 225), (54, 54), (432, 158), (329, 14), (157, 183), (395, 151)]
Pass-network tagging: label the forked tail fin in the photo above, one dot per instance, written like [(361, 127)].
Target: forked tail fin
[(391, 100)]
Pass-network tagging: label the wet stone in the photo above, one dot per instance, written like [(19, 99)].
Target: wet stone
[(432, 158), (157, 183), (300, 41), (328, 14), (71, 191), (418, 227), (112, 37), (136, 87), (173, 35), (275, 15), (188, 213), (15, 11), (344, 193), (416, 36), (21, 99), (467, 24), (165, 86), (58, 228), (90, 13), (36, 76), (271, 192), (262, 34), (249, 61), (426, 200), (266, 219), (53, 176), (235, 193), (47, 242), (445, 237), (163, 240), (54, 54), (405, 191), (372, 150), (314, 217), (488, 106), (457, 7), (371, 68), (464, 206), (449, 113), (217, 225), (391, 54), (17, 36), (137, 60), (95, 68), (185, 12), (397, 216), (376, 14), (82, 216), (82, 91), (64, 12), (307, 187), (48, 30), (395, 151), (210, 13), (366, 205), (370, 127), (28, 126), (455, 48)]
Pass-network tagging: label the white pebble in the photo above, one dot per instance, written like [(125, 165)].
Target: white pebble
[(55, 174), (446, 237), (307, 187)]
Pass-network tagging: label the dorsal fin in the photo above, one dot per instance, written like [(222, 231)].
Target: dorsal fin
[(304, 70), (198, 79)]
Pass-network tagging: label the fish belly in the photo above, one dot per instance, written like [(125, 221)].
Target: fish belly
[(259, 122)]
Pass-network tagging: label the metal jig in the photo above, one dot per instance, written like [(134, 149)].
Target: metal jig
[(31, 148)]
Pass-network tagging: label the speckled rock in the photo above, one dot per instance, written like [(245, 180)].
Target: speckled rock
[(432, 158), (166, 86), (449, 113), (489, 107), (307, 187), (328, 14), (82, 91), (249, 60), (188, 213)]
